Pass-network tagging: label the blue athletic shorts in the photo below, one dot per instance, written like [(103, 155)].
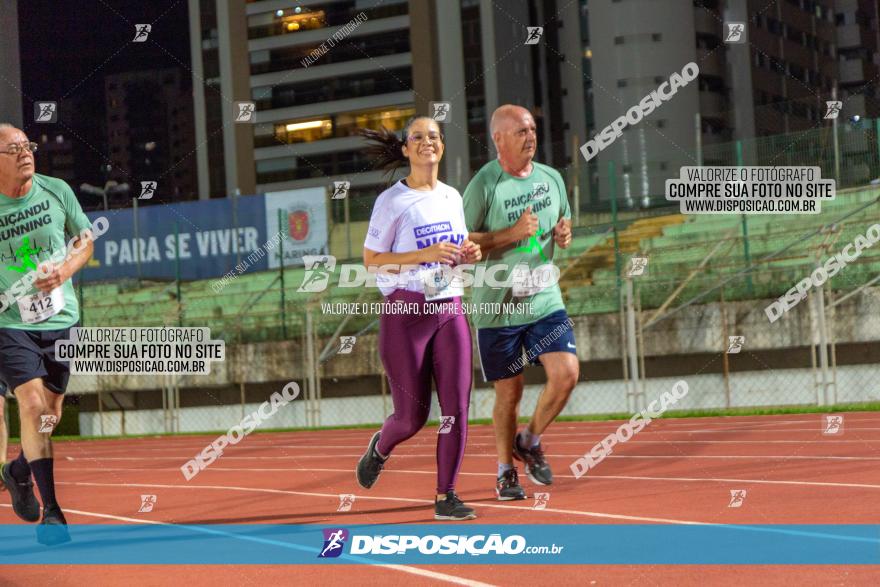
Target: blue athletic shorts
[(30, 354), (505, 350)]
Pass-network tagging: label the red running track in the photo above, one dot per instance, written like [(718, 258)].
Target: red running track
[(673, 471)]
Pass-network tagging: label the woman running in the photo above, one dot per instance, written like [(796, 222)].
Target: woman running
[(419, 222)]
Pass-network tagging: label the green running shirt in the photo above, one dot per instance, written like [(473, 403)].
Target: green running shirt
[(32, 227), (494, 200)]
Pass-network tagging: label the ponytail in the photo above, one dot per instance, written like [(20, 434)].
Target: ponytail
[(384, 148)]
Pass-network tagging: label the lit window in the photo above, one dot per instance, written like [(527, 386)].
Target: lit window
[(303, 21), (304, 131)]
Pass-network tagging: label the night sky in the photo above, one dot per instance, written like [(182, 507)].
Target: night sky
[(68, 47)]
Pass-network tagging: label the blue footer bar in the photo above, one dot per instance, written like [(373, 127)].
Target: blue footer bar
[(447, 544)]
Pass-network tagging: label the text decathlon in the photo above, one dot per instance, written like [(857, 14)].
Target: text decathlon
[(235, 434), (429, 229)]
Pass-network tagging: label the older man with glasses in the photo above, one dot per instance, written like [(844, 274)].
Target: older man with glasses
[(38, 214)]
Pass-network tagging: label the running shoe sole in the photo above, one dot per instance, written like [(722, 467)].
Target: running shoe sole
[(533, 479), (455, 519), (506, 498)]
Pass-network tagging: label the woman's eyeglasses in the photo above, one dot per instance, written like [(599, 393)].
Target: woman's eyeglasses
[(420, 138)]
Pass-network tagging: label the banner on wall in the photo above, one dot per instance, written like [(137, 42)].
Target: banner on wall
[(207, 238)]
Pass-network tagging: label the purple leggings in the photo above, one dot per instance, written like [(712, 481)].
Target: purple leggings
[(413, 347)]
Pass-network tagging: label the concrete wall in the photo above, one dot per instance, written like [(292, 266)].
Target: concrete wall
[(782, 387)]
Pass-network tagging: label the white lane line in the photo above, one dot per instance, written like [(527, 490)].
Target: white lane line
[(261, 439), (558, 476), (401, 568), (469, 455), (359, 497)]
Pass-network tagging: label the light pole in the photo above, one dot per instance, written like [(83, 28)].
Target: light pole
[(111, 187)]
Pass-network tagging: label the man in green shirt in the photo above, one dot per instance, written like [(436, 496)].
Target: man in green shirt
[(517, 210), (38, 306)]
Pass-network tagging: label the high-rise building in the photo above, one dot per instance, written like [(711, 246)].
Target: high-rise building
[(10, 86), (319, 71), (776, 81), (316, 71), (858, 51), (150, 131)]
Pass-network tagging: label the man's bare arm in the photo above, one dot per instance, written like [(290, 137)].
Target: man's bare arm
[(76, 260)]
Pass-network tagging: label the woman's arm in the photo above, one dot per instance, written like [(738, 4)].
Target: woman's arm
[(441, 252)]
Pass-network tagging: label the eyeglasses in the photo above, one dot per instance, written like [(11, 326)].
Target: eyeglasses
[(17, 148), (419, 138)]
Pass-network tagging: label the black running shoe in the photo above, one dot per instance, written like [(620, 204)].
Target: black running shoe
[(507, 488), (536, 466), (24, 502), (452, 508), (370, 465), (53, 529)]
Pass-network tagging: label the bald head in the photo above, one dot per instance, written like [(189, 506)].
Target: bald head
[(515, 136), (506, 115), (6, 128)]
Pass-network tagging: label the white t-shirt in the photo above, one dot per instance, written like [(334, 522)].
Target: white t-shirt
[(405, 220)]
